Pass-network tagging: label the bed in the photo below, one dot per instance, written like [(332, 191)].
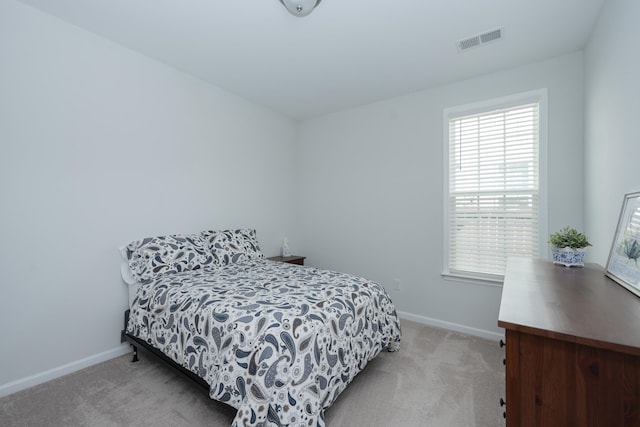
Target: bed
[(278, 342)]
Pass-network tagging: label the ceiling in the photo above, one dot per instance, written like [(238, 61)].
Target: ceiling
[(346, 53)]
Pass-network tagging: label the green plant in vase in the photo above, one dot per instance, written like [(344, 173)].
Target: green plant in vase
[(569, 247)]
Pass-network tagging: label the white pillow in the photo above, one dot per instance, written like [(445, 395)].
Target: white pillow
[(125, 270), (127, 275)]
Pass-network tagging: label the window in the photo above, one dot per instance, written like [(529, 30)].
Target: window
[(494, 203)]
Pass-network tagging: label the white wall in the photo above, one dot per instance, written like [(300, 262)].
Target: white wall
[(612, 120), (98, 146), (370, 188)]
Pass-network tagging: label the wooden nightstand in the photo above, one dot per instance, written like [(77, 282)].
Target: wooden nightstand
[(293, 259)]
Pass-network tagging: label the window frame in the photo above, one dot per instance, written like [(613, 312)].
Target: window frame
[(535, 96)]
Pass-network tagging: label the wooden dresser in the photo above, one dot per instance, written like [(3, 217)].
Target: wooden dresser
[(572, 347)]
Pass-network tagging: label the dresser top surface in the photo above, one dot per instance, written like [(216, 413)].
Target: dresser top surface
[(573, 304)]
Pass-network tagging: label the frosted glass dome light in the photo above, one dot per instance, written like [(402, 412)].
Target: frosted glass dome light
[(300, 7)]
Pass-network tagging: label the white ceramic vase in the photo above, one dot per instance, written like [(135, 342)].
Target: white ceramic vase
[(569, 257)]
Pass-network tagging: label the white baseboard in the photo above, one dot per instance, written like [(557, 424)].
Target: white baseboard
[(42, 377), (451, 326)]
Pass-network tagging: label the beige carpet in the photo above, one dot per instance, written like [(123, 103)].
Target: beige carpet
[(438, 378)]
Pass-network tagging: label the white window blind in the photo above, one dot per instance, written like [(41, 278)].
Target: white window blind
[(493, 200)]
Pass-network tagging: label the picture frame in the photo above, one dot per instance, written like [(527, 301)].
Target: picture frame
[(623, 265)]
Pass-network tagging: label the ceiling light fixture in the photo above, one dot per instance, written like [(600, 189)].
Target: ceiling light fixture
[(300, 7)]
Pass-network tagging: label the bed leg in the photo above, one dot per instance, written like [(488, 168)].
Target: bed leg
[(135, 353)]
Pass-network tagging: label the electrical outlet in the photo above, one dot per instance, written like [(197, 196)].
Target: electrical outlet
[(396, 284)]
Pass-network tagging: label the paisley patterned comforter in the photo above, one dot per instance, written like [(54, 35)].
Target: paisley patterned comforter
[(277, 341)]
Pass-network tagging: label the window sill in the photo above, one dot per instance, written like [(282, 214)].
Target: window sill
[(495, 281)]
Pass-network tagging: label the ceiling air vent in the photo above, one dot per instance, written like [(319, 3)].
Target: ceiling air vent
[(480, 39)]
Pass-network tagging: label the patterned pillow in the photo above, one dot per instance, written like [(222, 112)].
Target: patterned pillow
[(156, 256), (231, 246)]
